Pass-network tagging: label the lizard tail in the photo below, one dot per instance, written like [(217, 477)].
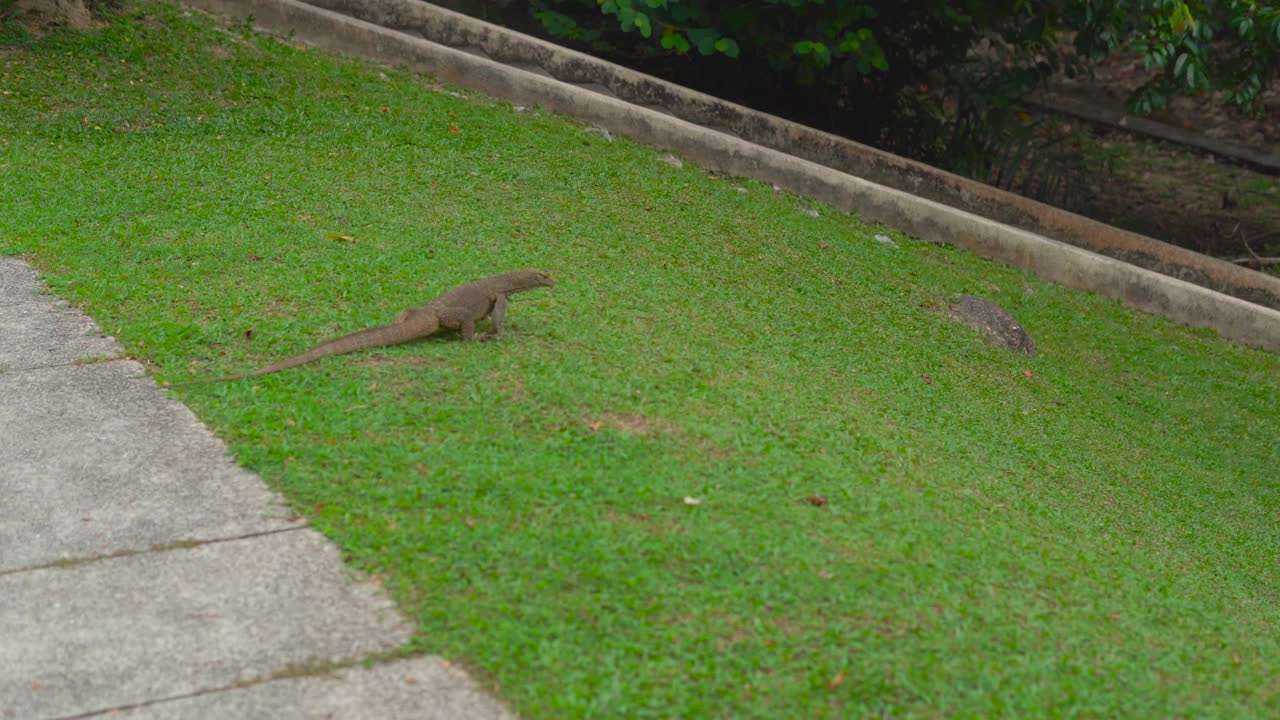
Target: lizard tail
[(373, 337), (403, 330)]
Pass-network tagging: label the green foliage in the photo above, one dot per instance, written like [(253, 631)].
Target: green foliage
[(1181, 39), (1226, 46), (892, 73), (793, 33), (1033, 157)]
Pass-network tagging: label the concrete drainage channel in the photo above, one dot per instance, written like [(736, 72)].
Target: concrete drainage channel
[(1247, 315)]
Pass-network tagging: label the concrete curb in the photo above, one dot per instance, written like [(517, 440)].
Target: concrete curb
[(1055, 261), (463, 32)]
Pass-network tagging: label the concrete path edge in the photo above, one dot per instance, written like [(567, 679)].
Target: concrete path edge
[(1057, 262)]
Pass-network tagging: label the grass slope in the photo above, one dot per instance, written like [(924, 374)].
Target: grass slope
[(1092, 533)]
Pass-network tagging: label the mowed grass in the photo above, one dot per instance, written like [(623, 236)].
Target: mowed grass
[(737, 463)]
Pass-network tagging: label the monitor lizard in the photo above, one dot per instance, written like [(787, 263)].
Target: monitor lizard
[(457, 309)]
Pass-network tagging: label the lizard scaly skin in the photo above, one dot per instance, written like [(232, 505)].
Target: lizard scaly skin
[(457, 309)]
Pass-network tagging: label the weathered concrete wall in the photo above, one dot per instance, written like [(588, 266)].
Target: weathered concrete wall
[(460, 31), (1056, 261)]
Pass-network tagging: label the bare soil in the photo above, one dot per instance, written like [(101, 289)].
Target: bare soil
[(1176, 193)]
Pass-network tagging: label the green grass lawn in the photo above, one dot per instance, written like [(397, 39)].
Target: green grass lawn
[(1089, 533)]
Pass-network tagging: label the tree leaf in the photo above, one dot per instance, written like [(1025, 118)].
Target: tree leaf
[(557, 23), (672, 40), (627, 18), (642, 23), (727, 46), (704, 38), (1181, 19)]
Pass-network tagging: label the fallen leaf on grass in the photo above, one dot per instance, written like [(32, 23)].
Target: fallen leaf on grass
[(838, 680), (342, 238), (1027, 373), (816, 500), (926, 378)]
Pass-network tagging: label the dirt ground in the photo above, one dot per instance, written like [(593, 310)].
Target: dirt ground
[(1175, 193)]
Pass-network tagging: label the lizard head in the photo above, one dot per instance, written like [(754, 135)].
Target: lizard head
[(540, 279)]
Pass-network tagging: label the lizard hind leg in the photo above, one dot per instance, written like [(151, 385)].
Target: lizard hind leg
[(421, 321)]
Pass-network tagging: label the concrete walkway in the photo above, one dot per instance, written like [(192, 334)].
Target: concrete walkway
[(144, 575)]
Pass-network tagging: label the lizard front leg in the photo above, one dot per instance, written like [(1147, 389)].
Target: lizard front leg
[(496, 315)]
